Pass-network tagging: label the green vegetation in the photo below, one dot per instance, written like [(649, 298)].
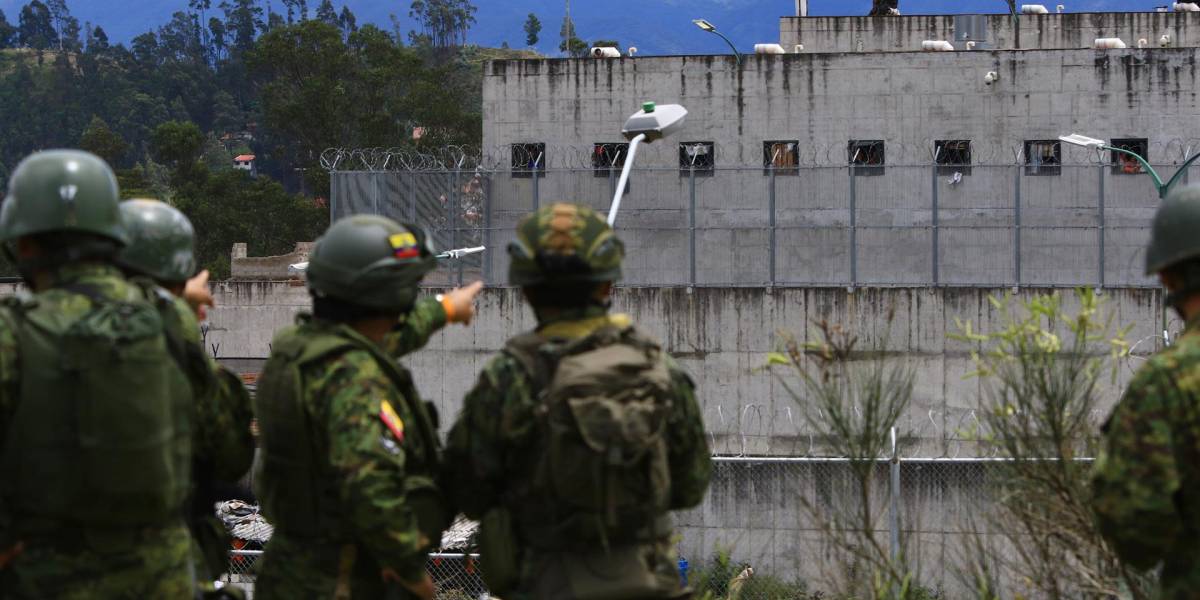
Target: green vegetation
[(170, 109)]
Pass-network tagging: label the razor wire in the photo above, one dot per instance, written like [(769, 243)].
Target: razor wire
[(608, 154)]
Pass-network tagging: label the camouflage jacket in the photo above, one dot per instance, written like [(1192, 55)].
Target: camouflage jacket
[(491, 444), (1147, 479), (80, 572), (369, 473)]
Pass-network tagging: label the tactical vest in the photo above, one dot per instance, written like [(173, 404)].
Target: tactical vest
[(100, 438), (600, 473), (293, 480)]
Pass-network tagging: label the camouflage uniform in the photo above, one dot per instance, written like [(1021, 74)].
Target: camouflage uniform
[(152, 563), (362, 443), (497, 439), (162, 248), (1147, 478)]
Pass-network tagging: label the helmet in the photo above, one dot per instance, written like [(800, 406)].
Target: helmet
[(62, 191), (161, 241), (1173, 237), (564, 244), (370, 261)]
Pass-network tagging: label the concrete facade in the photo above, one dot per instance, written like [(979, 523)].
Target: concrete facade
[(1082, 224), (722, 337), (1035, 32)]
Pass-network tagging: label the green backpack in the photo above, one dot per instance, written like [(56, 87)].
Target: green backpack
[(604, 403), (99, 439)]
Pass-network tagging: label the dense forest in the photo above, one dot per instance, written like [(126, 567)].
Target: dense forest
[(172, 109)]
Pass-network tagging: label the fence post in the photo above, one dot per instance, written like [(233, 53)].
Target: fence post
[(771, 222), (375, 196), (853, 228), (1102, 224), (412, 196), (536, 191), (692, 226), (934, 218), (455, 204), (487, 228), (894, 496), (1017, 225)]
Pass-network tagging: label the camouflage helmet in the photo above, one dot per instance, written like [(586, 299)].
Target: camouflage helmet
[(62, 191), (564, 244), (1173, 236), (161, 241), (370, 261)]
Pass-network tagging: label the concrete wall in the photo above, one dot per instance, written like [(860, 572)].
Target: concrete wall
[(822, 101), (266, 267), (1035, 32), (721, 336)]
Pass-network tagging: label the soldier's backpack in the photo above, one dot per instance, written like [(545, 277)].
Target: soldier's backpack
[(99, 440), (603, 406)]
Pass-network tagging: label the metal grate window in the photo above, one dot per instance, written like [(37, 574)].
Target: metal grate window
[(697, 157), (528, 160), (1043, 157), (781, 157), (608, 159), (952, 156), (1124, 164), (867, 157)]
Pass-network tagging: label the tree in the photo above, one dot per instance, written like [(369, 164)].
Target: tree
[(97, 40), (533, 28), (444, 22), (217, 28), (35, 28), (326, 13), (8, 33), (883, 8), (179, 145), (60, 16), (571, 44), (347, 21), (227, 115), (103, 142), (243, 18), (606, 44)]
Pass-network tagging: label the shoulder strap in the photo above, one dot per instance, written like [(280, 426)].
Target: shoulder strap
[(527, 350)]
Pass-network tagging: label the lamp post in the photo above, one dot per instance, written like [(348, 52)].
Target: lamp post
[(1163, 188), (709, 27)]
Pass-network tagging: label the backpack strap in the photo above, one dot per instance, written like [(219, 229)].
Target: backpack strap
[(527, 350)]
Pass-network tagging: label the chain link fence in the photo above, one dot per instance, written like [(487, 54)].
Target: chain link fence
[(894, 225), (786, 528)]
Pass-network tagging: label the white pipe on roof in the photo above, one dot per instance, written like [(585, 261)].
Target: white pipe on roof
[(1034, 9), (769, 49), (1110, 43), (937, 46), (1187, 7)]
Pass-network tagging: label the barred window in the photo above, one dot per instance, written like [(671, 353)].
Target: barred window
[(781, 157), (698, 157), (1043, 157), (867, 157), (528, 159)]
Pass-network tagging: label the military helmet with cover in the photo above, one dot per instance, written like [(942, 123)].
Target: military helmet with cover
[(162, 241), (370, 261), (62, 191), (563, 245), (1174, 234)]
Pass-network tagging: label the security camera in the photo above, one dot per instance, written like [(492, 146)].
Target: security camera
[(991, 77)]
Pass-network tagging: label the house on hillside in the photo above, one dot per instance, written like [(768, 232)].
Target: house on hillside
[(244, 162)]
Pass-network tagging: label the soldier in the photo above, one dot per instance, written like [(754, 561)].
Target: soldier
[(581, 436), (94, 419), (1147, 479), (349, 451), (161, 247)]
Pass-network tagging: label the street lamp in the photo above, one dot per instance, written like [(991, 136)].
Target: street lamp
[(1163, 188), (709, 27)]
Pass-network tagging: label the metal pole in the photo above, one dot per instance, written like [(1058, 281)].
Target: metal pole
[(771, 221), (692, 226), (1017, 226), (894, 512), (853, 228), (536, 191), (487, 224), (454, 207), (375, 196), (412, 196), (1102, 223), (936, 253)]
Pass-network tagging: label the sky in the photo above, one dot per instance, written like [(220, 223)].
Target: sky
[(654, 26)]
